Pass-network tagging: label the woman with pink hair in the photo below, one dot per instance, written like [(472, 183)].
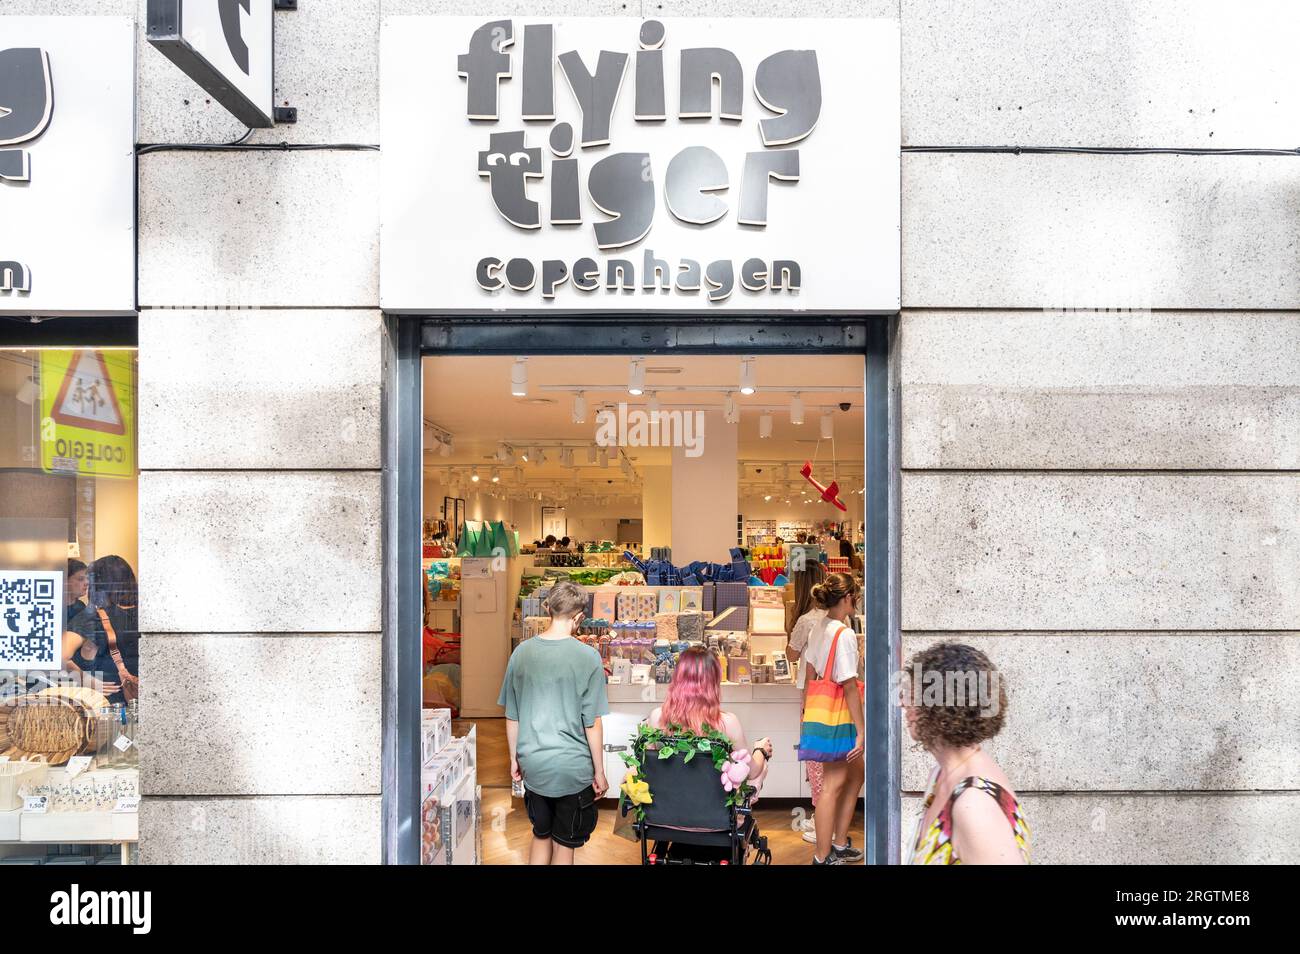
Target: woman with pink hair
[(695, 701)]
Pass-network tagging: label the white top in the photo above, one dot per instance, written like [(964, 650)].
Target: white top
[(819, 647), (803, 628)]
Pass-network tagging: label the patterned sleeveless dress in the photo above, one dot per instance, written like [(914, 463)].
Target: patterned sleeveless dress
[(934, 845)]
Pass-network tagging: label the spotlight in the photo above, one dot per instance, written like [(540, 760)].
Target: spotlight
[(445, 449), (503, 452), (747, 376), (732, 413), (591, 454), (636, 377), (796, 409), (519, 378), (604, 457), (828, 426), (580, 408), (653, 404), (541, 455), (767, 496), (765, 426), (473, 475), (496, 476), (524, 455)]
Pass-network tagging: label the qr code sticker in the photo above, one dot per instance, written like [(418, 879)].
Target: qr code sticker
[(31, 619)]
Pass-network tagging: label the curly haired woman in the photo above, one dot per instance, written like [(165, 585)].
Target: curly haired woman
[(953, 700)]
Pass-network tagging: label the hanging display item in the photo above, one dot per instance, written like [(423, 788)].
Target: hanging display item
[(829, 493)]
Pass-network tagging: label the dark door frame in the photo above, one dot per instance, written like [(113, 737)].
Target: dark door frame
[(411, 338)]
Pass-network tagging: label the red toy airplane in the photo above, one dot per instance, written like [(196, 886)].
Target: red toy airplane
[(829, 494)]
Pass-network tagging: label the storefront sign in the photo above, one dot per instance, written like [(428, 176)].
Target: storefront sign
[(226, 46), (613, 164), (87, 413), (67, 165)]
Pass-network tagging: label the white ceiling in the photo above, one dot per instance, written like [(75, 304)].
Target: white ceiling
[(470, 397)]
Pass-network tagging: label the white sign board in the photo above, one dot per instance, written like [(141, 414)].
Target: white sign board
[(226, 46), (67, 165), (738, 165)]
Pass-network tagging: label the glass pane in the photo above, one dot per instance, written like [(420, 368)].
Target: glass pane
[(69, 631)]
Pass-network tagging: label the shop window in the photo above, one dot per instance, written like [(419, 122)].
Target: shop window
[(685, 495), (69, 631)]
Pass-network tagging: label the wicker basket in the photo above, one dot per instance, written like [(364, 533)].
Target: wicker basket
[(55, 723), (16, 775)]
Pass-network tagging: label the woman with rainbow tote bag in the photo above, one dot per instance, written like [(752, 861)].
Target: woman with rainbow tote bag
[(831, 730)]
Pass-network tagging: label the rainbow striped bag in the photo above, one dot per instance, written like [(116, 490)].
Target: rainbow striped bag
[(827, 732)]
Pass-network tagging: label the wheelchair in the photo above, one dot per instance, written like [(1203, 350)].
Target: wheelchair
[(689, 822)]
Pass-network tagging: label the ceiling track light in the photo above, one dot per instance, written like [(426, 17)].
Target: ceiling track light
[(747, 379), (732, 411), (519, 378), (765, 426), (796, 408), (604, 457), (636, 377), (445, 449), (592, 456), (580, 408), (828, 426), (496, 476), (653, 404), (473, 475)]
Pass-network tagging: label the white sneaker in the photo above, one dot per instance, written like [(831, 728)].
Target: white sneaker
[(810, 837)]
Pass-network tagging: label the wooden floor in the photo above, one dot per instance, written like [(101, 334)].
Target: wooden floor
[(507, 834)]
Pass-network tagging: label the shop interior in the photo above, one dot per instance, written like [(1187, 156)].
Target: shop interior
[(539, 468), (69, 765)]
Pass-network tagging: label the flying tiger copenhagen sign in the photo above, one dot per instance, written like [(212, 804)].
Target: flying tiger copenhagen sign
[(67, 165), (567, 165)]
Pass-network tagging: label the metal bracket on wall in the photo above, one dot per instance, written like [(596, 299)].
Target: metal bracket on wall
[(286, 114)]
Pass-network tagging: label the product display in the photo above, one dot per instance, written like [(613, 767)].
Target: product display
[(449, 809), (52, 725)]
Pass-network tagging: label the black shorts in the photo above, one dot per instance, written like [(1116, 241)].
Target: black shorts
[(568, 820)]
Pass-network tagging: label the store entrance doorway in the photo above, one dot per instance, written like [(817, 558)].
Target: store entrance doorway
[(539, 463)]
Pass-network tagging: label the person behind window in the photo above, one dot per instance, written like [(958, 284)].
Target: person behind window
[(846, 548), (807, 617), (564, 543), (957, 828), (695, 701), (74, 589), (549, 542), (104, 641)]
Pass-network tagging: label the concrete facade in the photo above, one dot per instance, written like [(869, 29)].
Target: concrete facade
[(1107, 502)]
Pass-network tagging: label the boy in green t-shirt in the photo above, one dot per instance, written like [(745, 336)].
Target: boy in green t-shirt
[(554, 696)]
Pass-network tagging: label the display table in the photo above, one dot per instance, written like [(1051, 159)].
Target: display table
[(105, 827), (771, 710)]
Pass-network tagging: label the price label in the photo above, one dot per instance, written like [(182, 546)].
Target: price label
[(122, 743), (127, 806), (78, 764), (36, 804)]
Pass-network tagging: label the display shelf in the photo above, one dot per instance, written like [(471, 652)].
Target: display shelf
[(78, 828)]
